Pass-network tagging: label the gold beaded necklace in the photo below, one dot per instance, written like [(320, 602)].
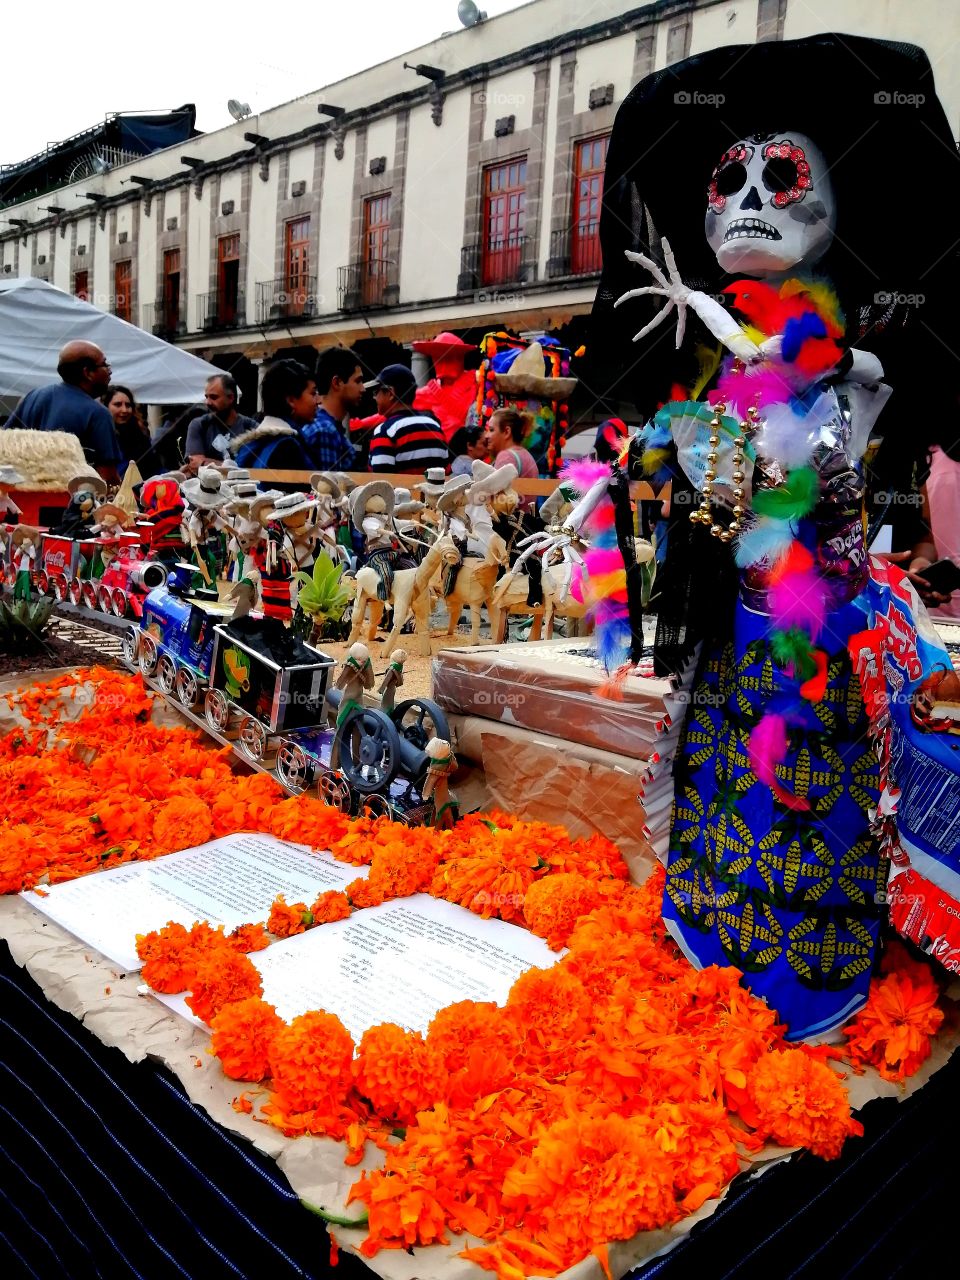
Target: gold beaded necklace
[(703, 514)]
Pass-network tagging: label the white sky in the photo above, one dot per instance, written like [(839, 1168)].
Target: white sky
[(121, 55)]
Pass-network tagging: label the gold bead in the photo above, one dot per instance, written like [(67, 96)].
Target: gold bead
[(737, 477), (727, 534), (712, 457), (716, 530), (739, 441), (738, 511), (707, 489)]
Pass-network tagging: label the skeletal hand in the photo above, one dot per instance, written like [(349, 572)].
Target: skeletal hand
[(668, 286)]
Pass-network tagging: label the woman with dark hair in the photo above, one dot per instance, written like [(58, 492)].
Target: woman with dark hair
[(133, 436), (468, 444), (289, 396)]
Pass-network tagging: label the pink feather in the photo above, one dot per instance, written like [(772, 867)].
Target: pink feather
[(768, 748), (760, 386), (798, 599), (601, 560), (584, 475)]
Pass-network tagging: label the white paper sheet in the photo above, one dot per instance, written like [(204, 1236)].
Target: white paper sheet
[(229, 881), (400, 962)]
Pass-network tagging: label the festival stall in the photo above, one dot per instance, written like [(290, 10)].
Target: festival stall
[(537, 974)]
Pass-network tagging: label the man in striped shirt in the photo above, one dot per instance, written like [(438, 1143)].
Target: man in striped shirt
[(408, 440)]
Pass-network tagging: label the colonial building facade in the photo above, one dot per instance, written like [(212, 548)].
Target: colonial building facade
[(455, 187)]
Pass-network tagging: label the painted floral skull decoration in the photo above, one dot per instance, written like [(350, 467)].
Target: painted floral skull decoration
[(770, 205)]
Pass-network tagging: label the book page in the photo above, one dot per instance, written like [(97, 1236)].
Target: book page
[(229, 881), (400, 962)]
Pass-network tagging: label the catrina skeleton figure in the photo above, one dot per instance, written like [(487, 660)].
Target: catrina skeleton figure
[(780, 846)]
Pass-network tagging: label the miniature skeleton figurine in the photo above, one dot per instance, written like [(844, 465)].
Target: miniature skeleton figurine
[(9, 479), (248, 541), (78, 517), (290, 540), (392, 680), (331, 503), (443, 763), (372, 508), (353, 678), (24, 559)]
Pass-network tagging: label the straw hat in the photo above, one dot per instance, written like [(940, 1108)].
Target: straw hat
[(207, 490), (326, 482), (526, 377), (23, 531), (86, 483), (361, 496), (453, 492), (434, 482), (291, 504), (107, 509), (238, 475), (407, 510), (10, 476), (487, 480), (261, 503), (343, 480)]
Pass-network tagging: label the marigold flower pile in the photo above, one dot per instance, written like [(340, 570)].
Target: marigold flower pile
[(615, 1092)]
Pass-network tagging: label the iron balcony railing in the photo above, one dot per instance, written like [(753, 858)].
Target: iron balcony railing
[(162, 319), (493, 262), (575, 251), (219, 310), (288, 299), (372, 283)]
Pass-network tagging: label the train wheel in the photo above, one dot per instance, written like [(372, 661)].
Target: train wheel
[(293, 767), (418, 720), (130, 645), (376, 807), (334, 790), (148, 653), (187, 688), (59, 585), (253, 739), (166, 673), (104, 600), (75, 591), (216, 708), (88, 595), (118, 603), (366, 750), (43, 583)]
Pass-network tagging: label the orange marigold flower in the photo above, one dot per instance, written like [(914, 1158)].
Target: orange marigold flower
[(286, 919), (242, 1037), (330, 906), (219, 979), (801, 1102), (181, 823), (171, 954), (398, 1072), (478, 1045), (249, 937), (553, 905), (402, 1212), (310, 1064), (550, 1007), (894, 1029)]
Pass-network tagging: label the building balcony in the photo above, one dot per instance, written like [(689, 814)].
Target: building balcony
[(162, 321), (361, 285), (575, 251), (218, 311), (495, 263), (286, 300)]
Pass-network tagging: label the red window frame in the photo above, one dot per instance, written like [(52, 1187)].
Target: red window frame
[(171, 290), (504, 210), (589, 162), (296, 265), (376, 248), (81, 285), (122, 289), (228, 278)]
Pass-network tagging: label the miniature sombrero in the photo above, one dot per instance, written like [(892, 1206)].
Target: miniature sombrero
[(262, 502), (10, 475), (107, 510), (372, 489), (86, 483), (291, 504), (443, 345), (453, 492), (487, 479), (526, 377), (326, 482), (434, 482), (23, 531), (208, 490)]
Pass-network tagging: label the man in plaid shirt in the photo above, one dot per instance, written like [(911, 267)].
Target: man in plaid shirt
[(339, 379)]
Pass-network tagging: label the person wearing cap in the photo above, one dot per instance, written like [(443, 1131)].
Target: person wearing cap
[(9, 479), (340, 388), (406, 440), (73, 405), (452, 390)]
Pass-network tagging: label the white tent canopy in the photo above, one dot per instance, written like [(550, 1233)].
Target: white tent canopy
[(36, 320)]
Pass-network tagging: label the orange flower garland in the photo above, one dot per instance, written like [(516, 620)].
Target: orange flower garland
[(614, 1093)]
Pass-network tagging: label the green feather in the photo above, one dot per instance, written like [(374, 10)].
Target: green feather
[(793, 648), (796, 497)]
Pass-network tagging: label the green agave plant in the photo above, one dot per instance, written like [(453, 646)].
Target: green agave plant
[(22, 623), (321, 594)]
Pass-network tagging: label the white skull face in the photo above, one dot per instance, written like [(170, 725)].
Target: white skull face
[(770, 205)]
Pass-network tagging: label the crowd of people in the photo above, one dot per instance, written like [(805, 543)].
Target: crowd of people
[(309, 422)]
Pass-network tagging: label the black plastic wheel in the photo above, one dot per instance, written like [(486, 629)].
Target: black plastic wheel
[(366, 750), (418, 720)]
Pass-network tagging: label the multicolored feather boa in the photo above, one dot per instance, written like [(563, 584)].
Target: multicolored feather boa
[(785, 390)]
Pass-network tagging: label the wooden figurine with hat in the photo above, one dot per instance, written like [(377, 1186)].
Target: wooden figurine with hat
[(10, 477), (161, 505), (23, 558), (206, 494), (84, 490), (442, 764), (453, 389), (250, 548), (109, 519), (371, 509)]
